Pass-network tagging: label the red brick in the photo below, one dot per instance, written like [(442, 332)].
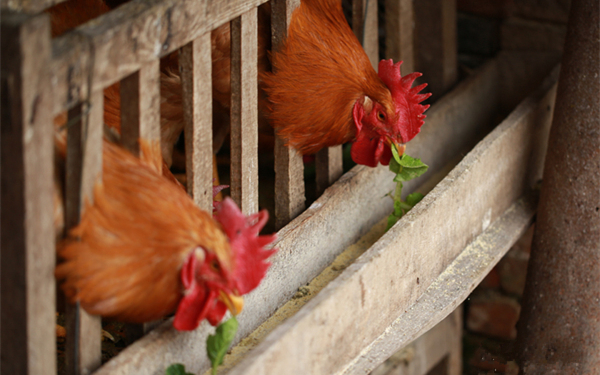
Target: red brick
[(494, 315)]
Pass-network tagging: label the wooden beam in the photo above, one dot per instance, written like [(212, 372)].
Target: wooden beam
[(428, 350), (28, 251), (417, 272), (343, 214), (140, 106), (196, 80), (399, 33), (83, 168), (436, 44), (329, 167), (244, 111), (289, 168)]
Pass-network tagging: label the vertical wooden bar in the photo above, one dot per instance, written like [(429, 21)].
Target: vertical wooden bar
[(399, 33), (454, 362), (140, 106), (289, 169), (140, 119), (28, 253), (329, 165), (196, 80), (84, 167), (435, 22), (244, 111), (364, 25)]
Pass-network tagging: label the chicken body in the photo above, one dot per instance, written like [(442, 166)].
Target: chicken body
[(143, 249), (323, 90)]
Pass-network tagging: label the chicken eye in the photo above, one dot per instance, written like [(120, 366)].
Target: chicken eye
[(215, 266), (381, 116)]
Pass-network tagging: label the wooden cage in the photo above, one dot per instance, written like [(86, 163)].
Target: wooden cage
[(484, 141)]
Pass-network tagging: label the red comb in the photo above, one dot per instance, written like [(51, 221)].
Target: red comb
[(247, 246), (407, 99)]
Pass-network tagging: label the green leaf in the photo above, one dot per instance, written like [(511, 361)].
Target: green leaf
[(395, 166), (413, 199), (177, 369), (410, 168), (218, 344), (392, 219)]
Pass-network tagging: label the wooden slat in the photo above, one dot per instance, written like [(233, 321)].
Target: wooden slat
[(244, 111), (140, 31), (435, 22), (28, 253), (364, 25), (140, 118), (343, 214), (84, 167), (289, 169), (329, 167), (428, 350), (196, 80), (399, 33), (140, 106), (386, 283)]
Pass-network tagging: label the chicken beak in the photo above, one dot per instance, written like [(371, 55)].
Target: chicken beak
[(401, 147), (234, 303)]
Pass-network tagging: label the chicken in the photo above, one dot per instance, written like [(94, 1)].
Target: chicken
[(323, 90), (143, 249)]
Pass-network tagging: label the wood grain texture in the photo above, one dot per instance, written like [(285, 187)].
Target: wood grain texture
[(83, 171), (353, 312), (27, 240), (141, 31), (289, 168), (364, 25), (399, 33), (140, 106), (428, 350), (329, 167), (436, 44), (196, 80), (244, 112)]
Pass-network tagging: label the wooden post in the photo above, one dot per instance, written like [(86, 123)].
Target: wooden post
[(289, 169), (84, 167), (244, 111), (28, 252), (399, 33), (140, 106), (196, 80), (330, 167), (140, 119), (435, 22), (364, 25)]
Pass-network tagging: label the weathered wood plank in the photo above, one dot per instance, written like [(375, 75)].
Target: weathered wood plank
[(342, 215), (83, 168), (399, 33), (28, 253), (435, 22), (140, 106), (429, 349), (364, 25), (196, 80), (329, 167), (244, 111), (140, 31), (289, 169), (382, 283)]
